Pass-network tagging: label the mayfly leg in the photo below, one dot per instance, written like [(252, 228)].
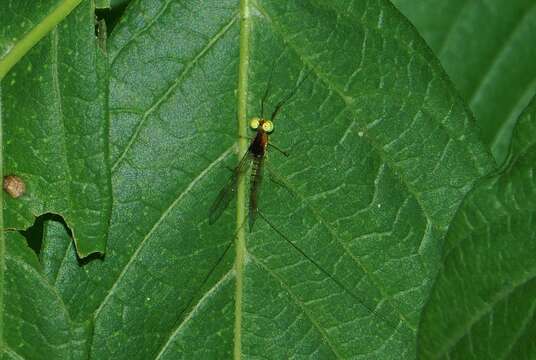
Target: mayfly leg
[(207, 276), (329, 275), (210, 272)]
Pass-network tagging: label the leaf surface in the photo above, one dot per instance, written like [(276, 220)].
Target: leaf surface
[(486, 48), (483, 304), (382, 153)]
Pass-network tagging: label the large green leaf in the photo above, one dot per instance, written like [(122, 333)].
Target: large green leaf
[(487, 49), (55, 132), (483, 304), (382, 152)]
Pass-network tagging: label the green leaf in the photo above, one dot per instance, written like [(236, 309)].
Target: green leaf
[(118, 3), (56, 244), (382, 153), (102, 4), (26, 22), (483, 303), (55, 130), (486, 48), (36, 323)]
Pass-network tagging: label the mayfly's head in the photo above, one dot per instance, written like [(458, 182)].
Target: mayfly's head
[(262, 124)]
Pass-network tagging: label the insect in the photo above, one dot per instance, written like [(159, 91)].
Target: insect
[(253, 158)]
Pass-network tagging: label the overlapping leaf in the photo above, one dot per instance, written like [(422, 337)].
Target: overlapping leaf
[(483, 304), (485, 47)]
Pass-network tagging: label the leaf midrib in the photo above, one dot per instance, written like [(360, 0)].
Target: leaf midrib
[(240, 246), (241, 196)]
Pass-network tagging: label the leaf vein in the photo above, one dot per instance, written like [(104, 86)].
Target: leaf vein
[(217, 286), (189, 66), (157, 224), (300, 304)]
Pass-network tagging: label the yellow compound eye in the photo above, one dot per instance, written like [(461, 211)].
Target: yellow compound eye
[(268, 126), (254, 123)]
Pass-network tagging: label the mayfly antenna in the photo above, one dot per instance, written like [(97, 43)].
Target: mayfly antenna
[(289, 96), (266, 92)]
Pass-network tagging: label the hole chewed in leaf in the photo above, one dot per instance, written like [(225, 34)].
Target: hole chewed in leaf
[(34, 234)]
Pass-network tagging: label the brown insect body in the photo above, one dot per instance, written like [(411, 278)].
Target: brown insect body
[(259, 144), (254, 157), (257, 149)]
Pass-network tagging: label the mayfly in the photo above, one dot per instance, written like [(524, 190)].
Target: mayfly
[(254, 158)]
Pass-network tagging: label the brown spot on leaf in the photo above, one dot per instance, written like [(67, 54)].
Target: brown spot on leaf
[(14, 186)]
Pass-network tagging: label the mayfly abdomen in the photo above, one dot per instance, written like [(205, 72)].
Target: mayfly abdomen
[(256, 178)]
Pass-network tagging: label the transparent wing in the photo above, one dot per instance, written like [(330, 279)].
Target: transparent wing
[(228, 191)]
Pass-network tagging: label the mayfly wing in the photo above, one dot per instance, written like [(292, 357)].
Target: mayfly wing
[(227, 192), (256, 178)]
